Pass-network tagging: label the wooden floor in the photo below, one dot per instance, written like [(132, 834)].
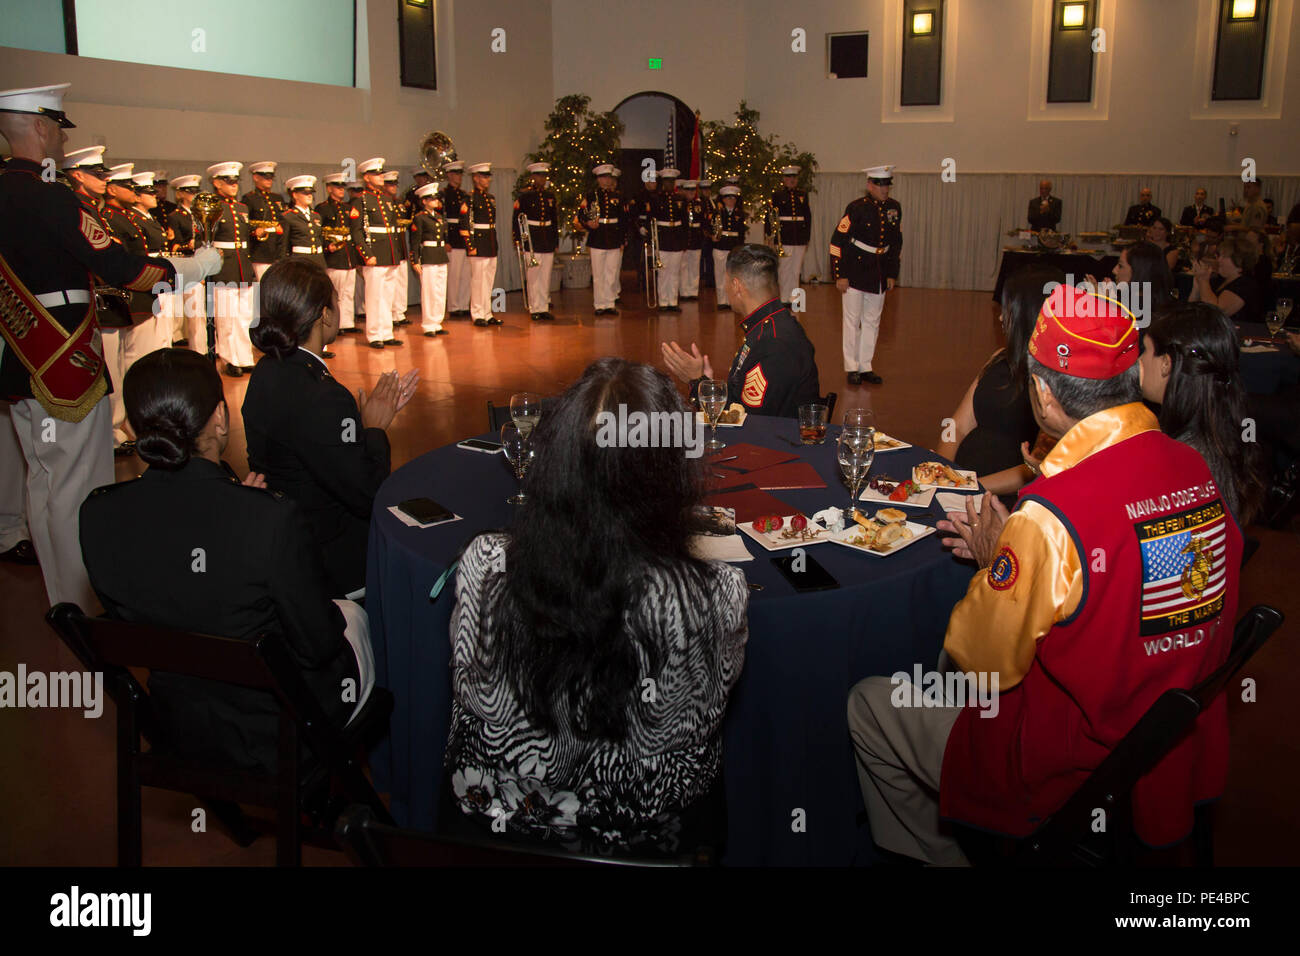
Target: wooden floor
[(56, 788)]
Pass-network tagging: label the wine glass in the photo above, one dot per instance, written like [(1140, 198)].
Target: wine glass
[(1273, 321), (1284, 307), (713, 399), (855, 450), (860, 418), (519, 452), (525, 412)]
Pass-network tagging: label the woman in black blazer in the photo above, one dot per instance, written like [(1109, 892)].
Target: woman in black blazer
[(232, 559), (313, 440)]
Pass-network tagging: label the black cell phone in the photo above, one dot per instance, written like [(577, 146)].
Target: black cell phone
[(478, 444), (811, 576), (425, 510)]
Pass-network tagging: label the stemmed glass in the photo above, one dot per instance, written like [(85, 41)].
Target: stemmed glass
[(1274, 322), (860, 418), (525, 412), (1284, 307), (519, 452), (713, 400), (856, 450)]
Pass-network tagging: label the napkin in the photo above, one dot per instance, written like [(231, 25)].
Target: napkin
[(1252, 349), (410, 522), (949, 501), (713, 547)]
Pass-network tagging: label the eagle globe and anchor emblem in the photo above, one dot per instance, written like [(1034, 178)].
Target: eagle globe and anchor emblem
[(1196, 576)]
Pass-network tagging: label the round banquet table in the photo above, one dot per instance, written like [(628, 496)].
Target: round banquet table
[(1080, 263), (786, 742), (1267, 368)]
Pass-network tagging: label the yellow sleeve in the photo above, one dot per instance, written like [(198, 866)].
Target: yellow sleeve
[(1035, 581)]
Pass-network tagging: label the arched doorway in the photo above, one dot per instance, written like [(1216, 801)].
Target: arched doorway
[(646, 117)]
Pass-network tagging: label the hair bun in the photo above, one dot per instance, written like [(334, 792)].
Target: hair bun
[(162, 442)]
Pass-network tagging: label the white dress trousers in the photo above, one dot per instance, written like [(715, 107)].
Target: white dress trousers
[(13, 482), (402, 292), (861, 327), (670, 277), (345, 283), (538, 282), (433, 297), (788, 269), (605, 266), (720, 274), (457, 280), (60, 474), (233, 307), (381, 286), (690, 281), (482, 270)]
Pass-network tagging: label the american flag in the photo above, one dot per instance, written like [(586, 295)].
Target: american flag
[(1167, 557), (670, 150)]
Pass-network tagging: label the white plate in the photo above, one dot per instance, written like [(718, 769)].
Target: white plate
[(699, 416), (919, 531), (917, 500), (773, 541), (898, 445), (972, 482)]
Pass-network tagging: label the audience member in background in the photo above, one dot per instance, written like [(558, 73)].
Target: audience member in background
[(1189, 368), (995, 423), (1198, 212), (1078, 653), (559, 623), (775, 369), (1044, 209), (1272, 216), (1159, 234), (258, 569), (1233, 290), (1254, 214), (1294, 214), (1286, 248), (312, 439), (1263, 271), (1144, 271), (1143, 212)]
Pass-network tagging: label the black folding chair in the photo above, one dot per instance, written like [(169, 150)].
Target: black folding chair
[(372, 842), (829, 402), (302, 781), (1067, 838)]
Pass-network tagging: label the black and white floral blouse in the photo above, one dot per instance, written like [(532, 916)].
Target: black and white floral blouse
[(596, 793)]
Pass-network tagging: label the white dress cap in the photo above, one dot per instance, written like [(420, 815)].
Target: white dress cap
[(428, 189), (40, 100), (145, 178), (266, 166), (604, 169), (300, 182), (881, 173), (538, 167), (224, 169), (121, 173), (789, 170), (669, 172), (375, 165), (89, 156), (729, 191), (185, 182), (483, 169)]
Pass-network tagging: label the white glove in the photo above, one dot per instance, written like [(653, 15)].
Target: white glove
[(191, 269)]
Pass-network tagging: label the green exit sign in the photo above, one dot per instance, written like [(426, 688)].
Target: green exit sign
[(656, 63)]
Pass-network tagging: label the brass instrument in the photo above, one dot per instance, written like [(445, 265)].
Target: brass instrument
[(208, 208), (336, 233), (717, 223), (772, 226), (527, 236), (267, 224), (436, 149), (653, 263), (580, 247)]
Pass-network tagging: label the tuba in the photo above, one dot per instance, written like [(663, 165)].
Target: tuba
[(436, 149)]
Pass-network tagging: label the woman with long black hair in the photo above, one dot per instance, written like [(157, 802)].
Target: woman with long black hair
[(1190, 369), (592, 654)]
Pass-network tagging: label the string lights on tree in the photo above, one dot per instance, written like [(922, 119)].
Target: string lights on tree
[(738, 149)]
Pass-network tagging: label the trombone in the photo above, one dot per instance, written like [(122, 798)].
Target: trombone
[(653, 263), (525, 246), (772, 226)]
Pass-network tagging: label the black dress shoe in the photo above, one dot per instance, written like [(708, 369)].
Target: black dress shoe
[(394, 342), (376, 345), (21, 553), (611, 311), (537, 316), (481, 322), (688, 298), (674, 308), (493, 320), (429, 335), (724, 307), (124, 450), (326, 353), (352, 331), (872, 378), (440, 332), (248, 369), (234, 371), (178, 344), (401, 322), (855, 378)]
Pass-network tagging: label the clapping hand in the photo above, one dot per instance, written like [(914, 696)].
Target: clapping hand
[(254, 480), (978, 531), (686, 366), (388, 397), (1201, 269)]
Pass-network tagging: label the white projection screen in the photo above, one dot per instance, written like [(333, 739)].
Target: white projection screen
[(311, 41)]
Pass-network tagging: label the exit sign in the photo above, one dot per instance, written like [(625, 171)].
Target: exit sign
[(656, 63)]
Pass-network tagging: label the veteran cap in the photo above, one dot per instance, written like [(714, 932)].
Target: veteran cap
[(1083, 334)]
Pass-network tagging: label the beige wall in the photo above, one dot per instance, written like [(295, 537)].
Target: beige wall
[(490, 103)]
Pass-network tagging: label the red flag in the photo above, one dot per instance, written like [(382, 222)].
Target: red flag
[(695, 149)]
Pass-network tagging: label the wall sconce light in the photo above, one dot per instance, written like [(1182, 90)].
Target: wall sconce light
[(1074, 16), (923, 23), (1242, 10)]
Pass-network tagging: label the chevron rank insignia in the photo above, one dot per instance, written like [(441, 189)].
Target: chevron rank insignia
[(755, 387)]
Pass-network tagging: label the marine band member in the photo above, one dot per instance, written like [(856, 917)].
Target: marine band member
[(478, 227), (795, 217), (453, 197), (540, 207), (728, 230), (380, 243), (667, 207), (429, 256), (603, 214), (341, 257), (231, 290), (184, 235), (402, 293), (265, 206)]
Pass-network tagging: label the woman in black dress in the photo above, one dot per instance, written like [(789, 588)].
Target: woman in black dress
[(1233, 290), (995, 422)]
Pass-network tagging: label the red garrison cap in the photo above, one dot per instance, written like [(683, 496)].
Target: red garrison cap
[(1084, 334)]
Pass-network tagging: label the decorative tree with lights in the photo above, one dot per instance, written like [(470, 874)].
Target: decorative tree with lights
[(577, 139), (738, 149)]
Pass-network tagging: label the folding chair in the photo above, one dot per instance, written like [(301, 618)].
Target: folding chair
[(301, 782)]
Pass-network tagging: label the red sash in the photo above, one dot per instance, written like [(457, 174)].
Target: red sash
[(66, 369)]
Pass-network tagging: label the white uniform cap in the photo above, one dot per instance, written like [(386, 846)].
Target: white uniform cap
[(687, 184), (121, 172), (705, 183), (483, 169), (89, 156), (729, 191), (669, 172), (224, 169), (375, 165), (338, 179), (145, 178), (39, 100), (300, 182), (266, 166), (879, 172), (455, 166), (604, 169), (789, 170), (538, 167), (428, 189), (185, 182), (617, 172), (392, 176)]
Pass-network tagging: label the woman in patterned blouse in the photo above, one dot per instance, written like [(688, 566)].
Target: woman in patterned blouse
[(592, 653)]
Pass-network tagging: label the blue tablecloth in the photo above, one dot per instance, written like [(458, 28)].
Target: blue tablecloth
[(786, 745), (1263, 373)]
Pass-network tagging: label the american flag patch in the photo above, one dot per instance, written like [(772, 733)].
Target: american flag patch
[(1183, 568)]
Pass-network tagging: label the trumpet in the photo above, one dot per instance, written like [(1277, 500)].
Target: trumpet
[(267, 224), (653, 263), (336, 233)]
